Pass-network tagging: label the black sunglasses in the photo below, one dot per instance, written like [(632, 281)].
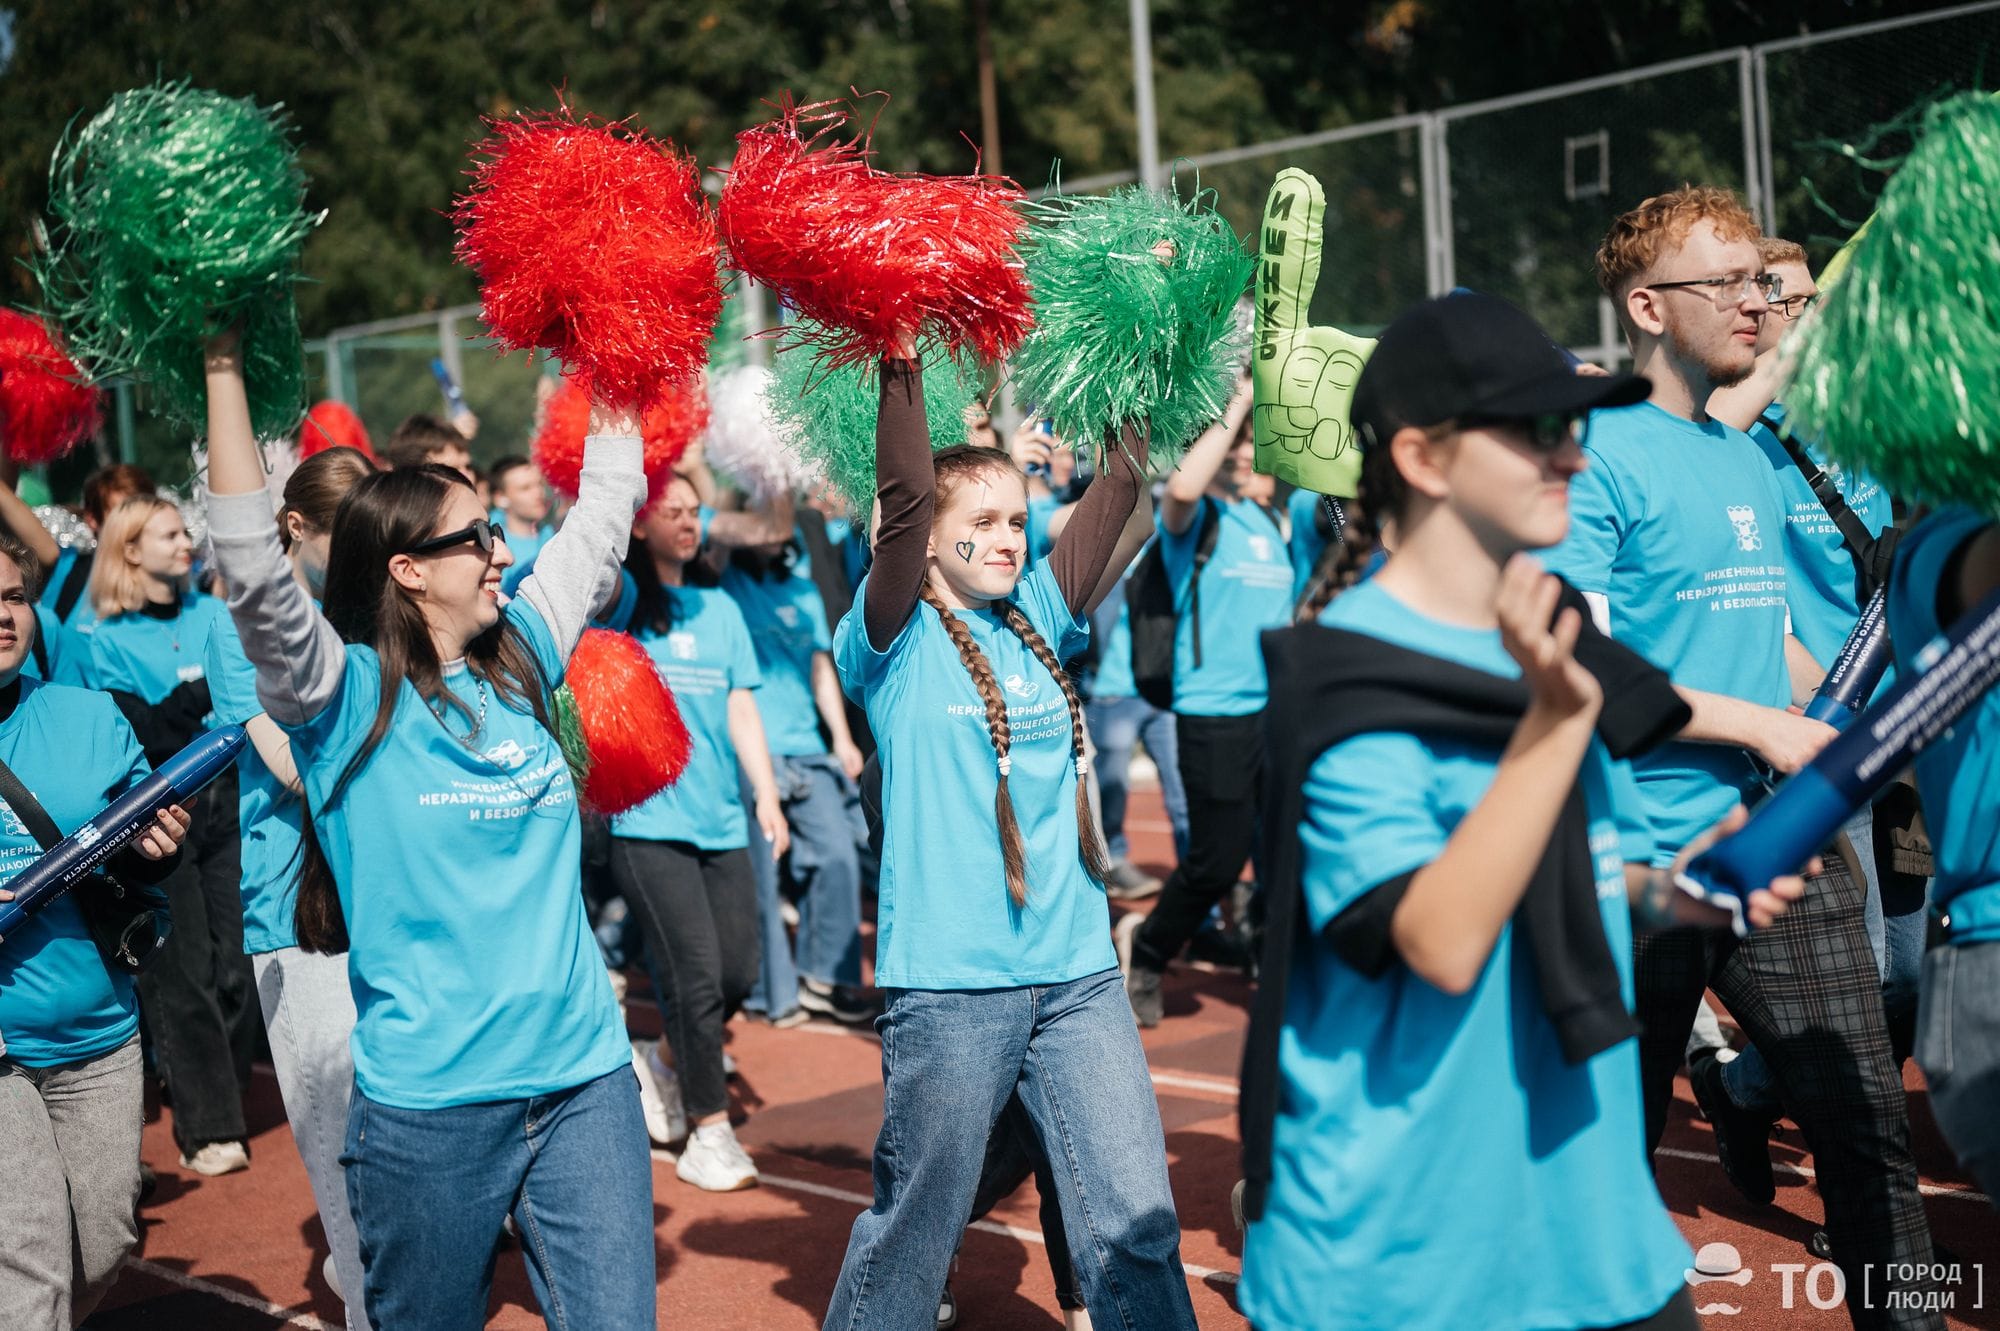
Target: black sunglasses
[(1545, 433), (481, 533)]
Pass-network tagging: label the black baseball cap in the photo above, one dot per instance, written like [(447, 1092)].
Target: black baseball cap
[(1468, 355)]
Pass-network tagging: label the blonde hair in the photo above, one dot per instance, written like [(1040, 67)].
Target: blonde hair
[(1637, 238), (116, 585), (1772, 250)]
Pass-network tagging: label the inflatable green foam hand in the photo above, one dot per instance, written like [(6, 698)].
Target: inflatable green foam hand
[(1303, 376)]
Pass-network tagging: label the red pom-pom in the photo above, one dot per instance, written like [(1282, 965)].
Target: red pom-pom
[(332, 424), (46, 408), (593, 241), (870, 253), (631, 724), (673, 422)]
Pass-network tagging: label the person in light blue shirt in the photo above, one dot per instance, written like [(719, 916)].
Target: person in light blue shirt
[(149, 646), (307, 1004), (492, 1075), (1244, 586), (991, 935), (521, 506), (1305, 514), (1944, 567), (816, 762), (1120, 719), (70, 1083), (681, 859)]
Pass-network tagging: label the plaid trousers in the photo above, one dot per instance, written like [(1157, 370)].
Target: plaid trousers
[(1808, 994)]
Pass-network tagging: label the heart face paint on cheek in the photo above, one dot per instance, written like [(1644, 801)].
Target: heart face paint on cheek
[(964, 549)]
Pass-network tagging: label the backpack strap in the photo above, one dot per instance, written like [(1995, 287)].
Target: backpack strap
[(71, 590), (1861, 543), (28, 809), (41, 647), (1204, 550)]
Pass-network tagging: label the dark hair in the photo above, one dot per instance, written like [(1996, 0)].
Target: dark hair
[(24, 559), (1380, 492), (417, 438), (953, 467), (654, 609), (497, 474), (773, 567), (318, 485), (120, 478), (383, 514)]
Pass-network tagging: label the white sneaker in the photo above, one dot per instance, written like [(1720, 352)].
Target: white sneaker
[(332, 1278), (659, 1095), (217, 1159), (714, 1161)]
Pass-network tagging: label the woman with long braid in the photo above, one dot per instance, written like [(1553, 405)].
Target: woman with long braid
[(992, 938)]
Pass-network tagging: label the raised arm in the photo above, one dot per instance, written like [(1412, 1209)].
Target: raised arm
[(299, 658), (1106, 529), (578, 568), (906, 493), (1200, 463), (27, 528)]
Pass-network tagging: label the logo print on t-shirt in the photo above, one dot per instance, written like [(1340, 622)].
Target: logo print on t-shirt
[(507, 753), (1744, 519), (1022, 688), (681, 646), (13, 825), (1260, 549), (788, 615)]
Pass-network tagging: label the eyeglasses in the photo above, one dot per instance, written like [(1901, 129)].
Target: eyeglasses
[(1546, 433), (1732, 288), (1792, 307), (481, 533)]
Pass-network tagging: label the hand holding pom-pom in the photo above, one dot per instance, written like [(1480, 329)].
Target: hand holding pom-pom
[(865, 254), (620, 726), (45, 407), (676, 418), (593, 241)]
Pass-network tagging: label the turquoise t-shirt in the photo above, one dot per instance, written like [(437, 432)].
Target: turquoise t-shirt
[(703, 656), (1245, 589), (787, 623), (1307, 545), (59, 1003), (142, 655), (1680, 527), (1959, 775), (1041, 510), (268, 813), (1399, 1101), (525, 549), (1112, 623), (1820, 581), (458, 861), (54, 640), (945, 920)]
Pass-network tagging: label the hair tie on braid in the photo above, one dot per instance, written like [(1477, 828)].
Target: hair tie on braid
[(1082, 766), (1006, 764)]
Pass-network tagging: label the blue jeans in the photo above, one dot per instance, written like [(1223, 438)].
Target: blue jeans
[(824, 809), (776, 988), (1958, 1047), (1115, 725), (950, 1060), (429, 1188)]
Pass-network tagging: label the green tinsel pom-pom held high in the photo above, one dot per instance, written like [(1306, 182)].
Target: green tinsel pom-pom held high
[(1899, 372), (828, 415), (175, 213), (1136, 296)]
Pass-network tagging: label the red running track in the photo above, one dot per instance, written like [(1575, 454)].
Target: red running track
[(244, 1252)]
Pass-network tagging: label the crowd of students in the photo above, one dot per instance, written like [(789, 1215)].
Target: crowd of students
[(1462, 787)]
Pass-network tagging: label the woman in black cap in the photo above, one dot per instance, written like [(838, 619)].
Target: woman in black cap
[(1453, 846)]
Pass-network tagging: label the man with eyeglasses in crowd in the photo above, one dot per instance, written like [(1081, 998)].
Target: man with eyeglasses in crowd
[(1676, 538)]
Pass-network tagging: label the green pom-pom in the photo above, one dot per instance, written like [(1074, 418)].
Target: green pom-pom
[(569, 734), (174, 214), (1899, 372), (1136, 297), (829, 414)]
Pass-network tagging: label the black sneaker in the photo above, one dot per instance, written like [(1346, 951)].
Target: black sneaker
[(1742, 1138), (836, 1001)]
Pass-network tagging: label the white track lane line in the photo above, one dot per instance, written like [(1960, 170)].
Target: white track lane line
[(990, 1226), (283, 1316), (1805, 1171)]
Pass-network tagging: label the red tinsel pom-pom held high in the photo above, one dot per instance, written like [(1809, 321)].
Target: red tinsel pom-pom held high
[(865, 251), (332, 424), (631, 724), (673, 422), (46, 408), (593, 241)]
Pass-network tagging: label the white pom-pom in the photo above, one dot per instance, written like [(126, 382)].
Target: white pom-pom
[(745, 444)]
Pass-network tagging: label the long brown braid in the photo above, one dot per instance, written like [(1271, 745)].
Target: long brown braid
[(1379, 493), (1095, 861), (1000, 731)]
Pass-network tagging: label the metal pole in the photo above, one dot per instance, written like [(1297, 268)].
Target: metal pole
[(1753, 169), (1760, 75), (989, 93), (1429, 132), (1142, 94)]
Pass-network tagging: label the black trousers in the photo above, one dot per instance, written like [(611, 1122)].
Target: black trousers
[(1222, 768), (1808, 995), (199, 999), (1012, 1154), (698, 909)]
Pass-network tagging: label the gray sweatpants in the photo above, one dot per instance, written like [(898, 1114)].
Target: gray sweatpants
[(69, 1152), (309, 1011)]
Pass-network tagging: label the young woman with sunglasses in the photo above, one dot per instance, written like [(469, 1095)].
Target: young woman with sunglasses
[(492, 1077), (1456, 865)]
